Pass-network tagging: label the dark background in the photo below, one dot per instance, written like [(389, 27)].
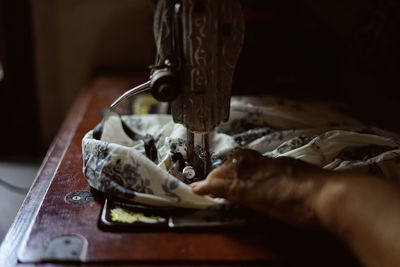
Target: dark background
[(344, 51), (19, 122)]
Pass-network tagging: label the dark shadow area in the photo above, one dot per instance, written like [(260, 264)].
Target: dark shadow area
[(343, 51), (19, 107), (298, 246)]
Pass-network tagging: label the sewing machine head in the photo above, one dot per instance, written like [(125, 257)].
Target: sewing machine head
[(198, 43)]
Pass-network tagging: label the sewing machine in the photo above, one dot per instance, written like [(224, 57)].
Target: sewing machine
[(198, 44)]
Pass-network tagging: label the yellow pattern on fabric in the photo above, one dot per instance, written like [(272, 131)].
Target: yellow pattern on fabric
[(121, 215)]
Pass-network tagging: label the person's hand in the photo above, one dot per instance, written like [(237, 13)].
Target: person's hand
[(284, 188), (360, 209)]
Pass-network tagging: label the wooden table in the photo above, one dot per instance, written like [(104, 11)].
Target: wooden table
[(46, 215)]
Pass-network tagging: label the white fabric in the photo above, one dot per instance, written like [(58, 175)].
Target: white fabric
[(310, 131)]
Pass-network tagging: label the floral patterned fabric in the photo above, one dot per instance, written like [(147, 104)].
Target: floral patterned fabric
[(140, 157)]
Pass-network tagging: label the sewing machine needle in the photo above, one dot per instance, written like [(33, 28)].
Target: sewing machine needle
[(135, 90), (190, 146), (205, 154)]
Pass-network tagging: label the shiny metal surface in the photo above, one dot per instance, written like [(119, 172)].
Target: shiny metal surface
[(131, 92)]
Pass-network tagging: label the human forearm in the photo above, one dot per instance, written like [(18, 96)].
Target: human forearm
[(364, 212)]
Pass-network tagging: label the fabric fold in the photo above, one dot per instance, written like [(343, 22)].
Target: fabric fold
[(140, 157)]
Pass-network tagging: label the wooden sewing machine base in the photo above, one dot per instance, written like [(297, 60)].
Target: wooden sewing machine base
[(58, 222)]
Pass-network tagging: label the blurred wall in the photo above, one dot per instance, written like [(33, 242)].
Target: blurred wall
[(73, 38)]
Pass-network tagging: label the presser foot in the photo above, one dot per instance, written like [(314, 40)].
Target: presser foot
[(198, 156)]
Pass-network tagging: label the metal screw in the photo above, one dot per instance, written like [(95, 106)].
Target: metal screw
[(177, 8), (167, 62), (189, 172), (79, 198)]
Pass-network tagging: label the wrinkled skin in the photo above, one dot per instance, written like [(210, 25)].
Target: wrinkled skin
[(362, 210), (284, 188)]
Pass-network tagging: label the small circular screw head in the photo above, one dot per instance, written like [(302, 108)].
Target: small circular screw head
[(189, 172), (79, 198)]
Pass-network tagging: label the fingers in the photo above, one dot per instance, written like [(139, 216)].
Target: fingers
[(213, 187), (216, 184)]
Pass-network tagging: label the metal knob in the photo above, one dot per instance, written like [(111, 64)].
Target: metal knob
[(164, 85)]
